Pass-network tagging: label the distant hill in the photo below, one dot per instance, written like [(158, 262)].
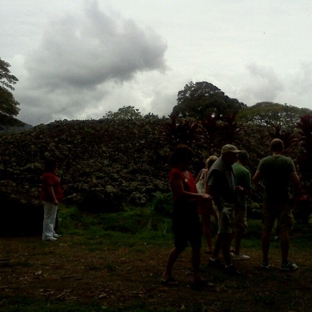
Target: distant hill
[(15, 129)]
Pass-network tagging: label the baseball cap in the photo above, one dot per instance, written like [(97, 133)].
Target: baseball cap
[(229, 148)]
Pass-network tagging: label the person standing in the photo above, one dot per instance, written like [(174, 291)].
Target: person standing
[(186, 226), (51, 194), (222, 187), (243, 179), (277, 173), (205, 208)]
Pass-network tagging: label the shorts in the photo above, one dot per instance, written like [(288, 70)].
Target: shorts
[(240, 220), (186, 226), (226, 218), (281, 212)]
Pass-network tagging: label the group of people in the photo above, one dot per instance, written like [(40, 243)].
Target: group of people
[(220, 191), (227, 183)]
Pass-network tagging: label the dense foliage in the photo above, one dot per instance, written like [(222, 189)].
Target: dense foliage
[(8, 104), (198, 99), (123, 157)]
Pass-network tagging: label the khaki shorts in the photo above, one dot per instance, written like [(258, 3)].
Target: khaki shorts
[(226, 218), (240, 220), (281, 212)]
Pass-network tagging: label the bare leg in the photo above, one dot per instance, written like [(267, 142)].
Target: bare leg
[(217, 248), (265, 245), (284, 238), (173, 256), (237, 239), (207, 231), (195, 264), (225, 247)]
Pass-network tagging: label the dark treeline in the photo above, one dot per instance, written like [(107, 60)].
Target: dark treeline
[(123, 157)]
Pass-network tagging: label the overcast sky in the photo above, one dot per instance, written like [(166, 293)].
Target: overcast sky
[(78, 59)]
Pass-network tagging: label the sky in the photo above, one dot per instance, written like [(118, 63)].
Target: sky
[(79, 59)]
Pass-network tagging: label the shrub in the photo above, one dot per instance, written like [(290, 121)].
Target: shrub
[(163, 204)]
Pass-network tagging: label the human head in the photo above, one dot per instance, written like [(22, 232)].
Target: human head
[(50, 165), (242, 157), (228, 153), (182, 154), (277, 145), (210, 161)]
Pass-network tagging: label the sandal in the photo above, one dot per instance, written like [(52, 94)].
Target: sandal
[(170, 281)]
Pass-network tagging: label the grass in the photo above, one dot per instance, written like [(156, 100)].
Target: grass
[(114, 262)]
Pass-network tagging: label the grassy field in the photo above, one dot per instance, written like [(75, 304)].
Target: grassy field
[(114, 263)]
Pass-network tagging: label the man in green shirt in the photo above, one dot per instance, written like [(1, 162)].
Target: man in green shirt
[(243, 179), (277, 173)]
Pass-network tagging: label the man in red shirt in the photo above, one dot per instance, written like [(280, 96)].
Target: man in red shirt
[(51, 194)]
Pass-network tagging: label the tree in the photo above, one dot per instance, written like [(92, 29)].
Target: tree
[(125, 112), (201, 98), (8, 104), (271, 114)]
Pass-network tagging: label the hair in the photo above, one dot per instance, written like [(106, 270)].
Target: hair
[(181, 154), (242, 156), (210, 161), (49, 165), (277, 145)]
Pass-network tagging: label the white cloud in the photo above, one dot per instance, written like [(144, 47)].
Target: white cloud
[(78, 55), (78, 61)]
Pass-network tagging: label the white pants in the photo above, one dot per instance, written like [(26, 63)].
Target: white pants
[(49, 218)]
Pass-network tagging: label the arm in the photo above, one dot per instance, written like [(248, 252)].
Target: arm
[(52, 194), (246, 191), (214, 186), (177, 188), (245, 188), (199, 176), (256, 180), (296, 181)]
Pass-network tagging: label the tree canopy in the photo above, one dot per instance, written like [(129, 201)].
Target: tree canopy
[(271, 114), (198, 99), (8, 104)]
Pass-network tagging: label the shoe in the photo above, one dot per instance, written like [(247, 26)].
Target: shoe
[(56, 235), (288, 266), (169, 282), (231, 270), (215, 264), (265, 265), (50, 239), (240, 257)]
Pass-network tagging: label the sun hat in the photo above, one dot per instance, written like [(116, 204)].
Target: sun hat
[(229, 148)]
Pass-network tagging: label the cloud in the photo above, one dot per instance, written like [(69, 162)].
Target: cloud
[(85, 51), (301, 84), (80, 55), (257, 83), (266, 84)]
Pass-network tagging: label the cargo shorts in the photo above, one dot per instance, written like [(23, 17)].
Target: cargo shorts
[(281, 212), (240, 220), (225, 217)]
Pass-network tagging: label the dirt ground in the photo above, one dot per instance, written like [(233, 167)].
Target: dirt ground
[(75, 269)]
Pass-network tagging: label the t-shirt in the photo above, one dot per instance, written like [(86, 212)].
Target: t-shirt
[(50, 179), (243, 179), (276, 173), (188, 183)]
